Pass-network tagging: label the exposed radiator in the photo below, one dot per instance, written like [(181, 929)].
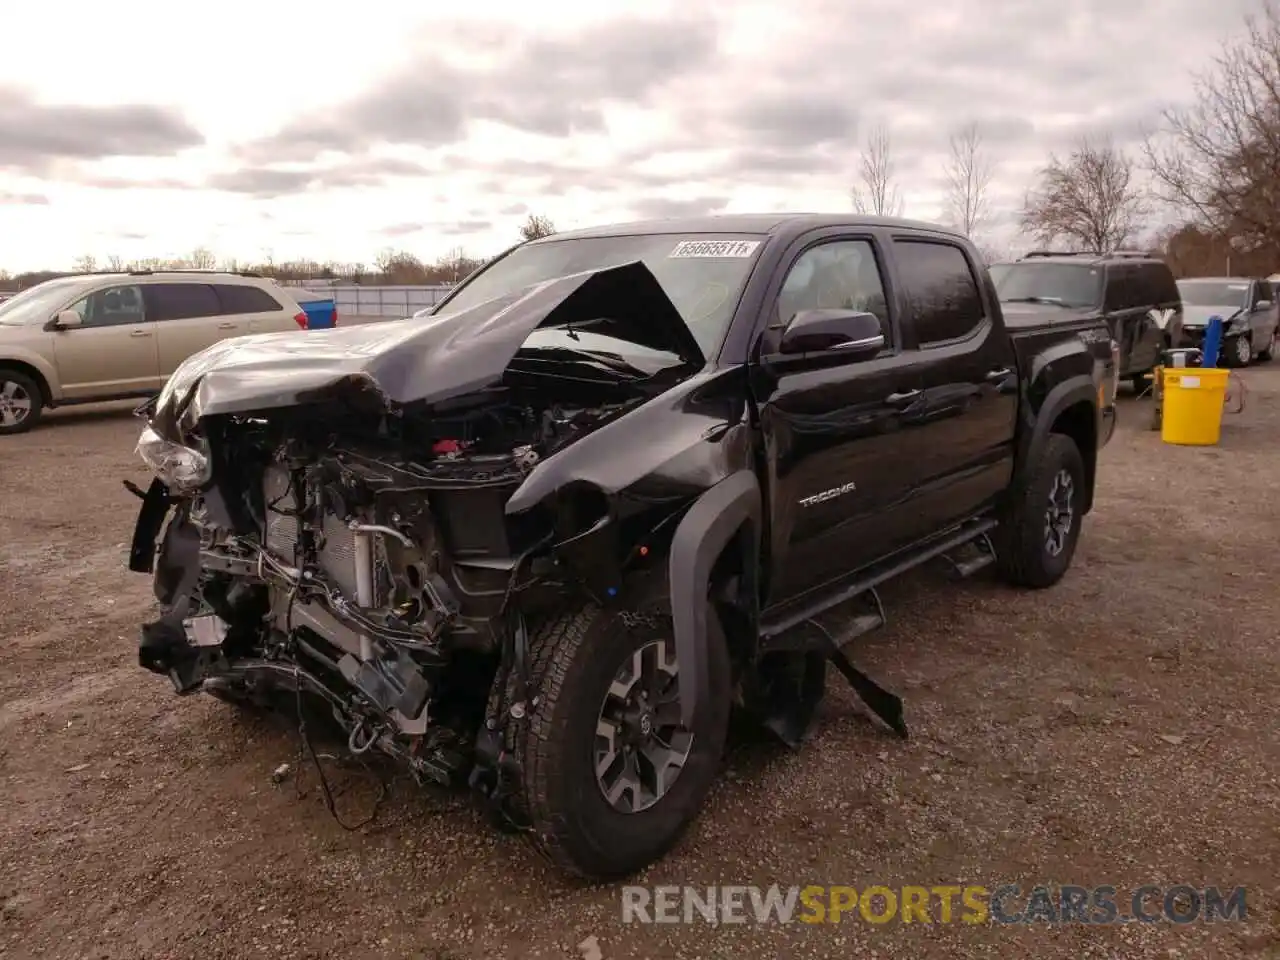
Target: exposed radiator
[(337, 554)]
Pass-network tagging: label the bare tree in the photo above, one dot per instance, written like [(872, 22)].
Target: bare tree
[(400, 267), (456, 265), (1090, 199), (537, 226), (994, 253), (115, 263), (85, 264), (1218, 160), (969, 171), (876, 190), (202, 259)]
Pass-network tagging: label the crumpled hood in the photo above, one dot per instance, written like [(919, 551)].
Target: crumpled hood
[(1199, 316), (430, 359)]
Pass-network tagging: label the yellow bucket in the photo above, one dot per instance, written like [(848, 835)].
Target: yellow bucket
[(1194, 398)]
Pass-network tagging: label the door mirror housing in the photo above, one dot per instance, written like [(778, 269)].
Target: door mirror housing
[(67, 319), (854, 334), (1263, 305)]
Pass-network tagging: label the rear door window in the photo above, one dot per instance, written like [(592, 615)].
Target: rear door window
[(182, 301), (941, 291), (240, 298)]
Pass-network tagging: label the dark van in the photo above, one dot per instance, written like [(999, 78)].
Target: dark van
[(1136, 294)]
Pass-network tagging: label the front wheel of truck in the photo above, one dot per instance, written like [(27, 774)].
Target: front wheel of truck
[(1037, 536), (611, 777)]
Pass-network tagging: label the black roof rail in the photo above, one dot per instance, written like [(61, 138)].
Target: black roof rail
[(234, 273), (1130, 254), (1036, 254)]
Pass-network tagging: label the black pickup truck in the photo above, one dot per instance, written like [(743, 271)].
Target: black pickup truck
[(545, 539)]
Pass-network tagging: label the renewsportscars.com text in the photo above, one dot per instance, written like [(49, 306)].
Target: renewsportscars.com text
[(967, 904)]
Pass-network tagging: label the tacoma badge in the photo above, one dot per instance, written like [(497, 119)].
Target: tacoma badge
[(831, 494)]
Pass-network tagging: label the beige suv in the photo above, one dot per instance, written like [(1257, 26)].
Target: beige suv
[(111, 336)]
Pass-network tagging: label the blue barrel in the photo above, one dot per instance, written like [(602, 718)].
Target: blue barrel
[(1212, 341), (320, 308)]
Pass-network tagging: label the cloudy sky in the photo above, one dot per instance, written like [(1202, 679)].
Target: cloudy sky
[(326, 131)]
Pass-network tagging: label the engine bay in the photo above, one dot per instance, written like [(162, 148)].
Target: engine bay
[(375, 558)]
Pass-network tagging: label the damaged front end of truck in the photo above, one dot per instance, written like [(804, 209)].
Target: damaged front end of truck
[(372, 518)]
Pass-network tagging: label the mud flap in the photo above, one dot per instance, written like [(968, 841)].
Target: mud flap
[(703, 533), (155, 506), (885, 705), (164, 647)]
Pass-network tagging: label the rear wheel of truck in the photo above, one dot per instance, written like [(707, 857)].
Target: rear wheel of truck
[(21, 402), (611, 777), (1037, 537)]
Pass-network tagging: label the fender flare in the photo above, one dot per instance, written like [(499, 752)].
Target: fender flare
[(705, 530), (1071, 391), (46, 375)]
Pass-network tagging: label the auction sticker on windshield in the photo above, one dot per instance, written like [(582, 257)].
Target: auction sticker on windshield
[(714, 248)]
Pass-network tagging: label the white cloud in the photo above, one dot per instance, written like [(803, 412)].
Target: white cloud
[(330, 132)]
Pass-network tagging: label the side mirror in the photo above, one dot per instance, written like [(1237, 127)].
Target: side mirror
[(67, 318), (854, 334), (1263, 305)]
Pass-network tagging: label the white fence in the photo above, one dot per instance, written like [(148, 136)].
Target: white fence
[(390, 302)]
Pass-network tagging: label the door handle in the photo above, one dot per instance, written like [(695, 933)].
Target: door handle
[(994, 375), (902, 399), (226, 326), (140, 333)]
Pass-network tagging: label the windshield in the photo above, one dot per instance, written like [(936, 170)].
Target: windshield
[(703, 274), (38, 302), (1066, 284), (1213, 294)]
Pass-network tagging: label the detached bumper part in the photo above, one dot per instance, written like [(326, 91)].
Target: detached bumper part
[(164, 649)]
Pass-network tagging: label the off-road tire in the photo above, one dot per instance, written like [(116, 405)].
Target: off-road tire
[(1022, 556), (32, 390), (575, 657)]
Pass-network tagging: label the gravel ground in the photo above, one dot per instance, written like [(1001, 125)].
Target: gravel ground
[(1119, 729)]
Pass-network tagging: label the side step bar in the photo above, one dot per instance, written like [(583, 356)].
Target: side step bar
[(884, 704), (981, 554), (792, 616)]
